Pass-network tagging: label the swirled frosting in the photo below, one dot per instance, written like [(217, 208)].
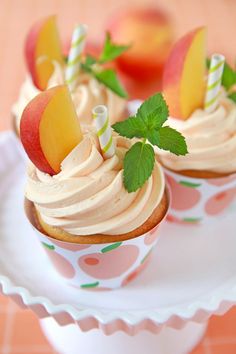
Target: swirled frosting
[(211, 140), (88, 93), (88, 196)]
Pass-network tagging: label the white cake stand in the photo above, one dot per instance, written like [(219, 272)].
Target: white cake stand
[(191, 276)]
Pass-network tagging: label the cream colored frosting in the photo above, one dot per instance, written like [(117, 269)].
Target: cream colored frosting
[(88, 196), (211, 140), (88, 93)]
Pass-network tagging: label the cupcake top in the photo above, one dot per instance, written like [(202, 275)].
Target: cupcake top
[(87, 94), (201, 107), (90, 79), (211, 140), (88, 195), (87, 183)]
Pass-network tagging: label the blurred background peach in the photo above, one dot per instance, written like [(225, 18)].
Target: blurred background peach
[(16, 16)]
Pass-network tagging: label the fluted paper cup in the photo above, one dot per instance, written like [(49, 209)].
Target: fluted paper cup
[(103, 266), (199, 200)]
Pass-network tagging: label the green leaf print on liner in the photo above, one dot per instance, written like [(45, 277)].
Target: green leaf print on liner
[(90, 285), (50, 247), (189, 184), (192, 220), (111, 247)]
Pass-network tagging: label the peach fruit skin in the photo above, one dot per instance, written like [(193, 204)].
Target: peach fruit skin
[(184, 74), (149, 32), (43, 42), (50, 129)]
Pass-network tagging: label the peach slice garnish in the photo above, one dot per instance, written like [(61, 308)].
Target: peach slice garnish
[(50, 129), (184, 74), (42, 47)]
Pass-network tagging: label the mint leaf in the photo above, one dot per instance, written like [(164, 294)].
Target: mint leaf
[(87, 65), (169, 139), (111, 50), (130, 128), (149, 118), (154, 111), (109, 78), (138, 166), (232, 96), (229, 77), (90, 60)]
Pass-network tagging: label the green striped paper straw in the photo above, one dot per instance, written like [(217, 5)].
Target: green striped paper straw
[(104, 132), (75, 54), (214, 82)]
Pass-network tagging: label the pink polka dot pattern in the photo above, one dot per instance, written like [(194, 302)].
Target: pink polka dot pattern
[(183, 197), (99, 267), (221, 181), (70, 246), (61, 264), (220, 201), (110, 264), (133, 275), (197, 200)]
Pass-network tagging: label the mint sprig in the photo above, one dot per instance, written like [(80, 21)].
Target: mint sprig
[(147, 125), (111, 50), (107, 77)]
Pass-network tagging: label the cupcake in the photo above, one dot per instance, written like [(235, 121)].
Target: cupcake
[(47, 67), (95, 200), (203, 183)]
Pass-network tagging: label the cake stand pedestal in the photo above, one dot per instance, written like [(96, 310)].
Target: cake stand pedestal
[(71, 340), (191, 275)]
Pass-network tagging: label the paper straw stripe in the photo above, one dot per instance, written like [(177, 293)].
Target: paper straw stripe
[(107, 147), (72, 78), (78, 41), (104, 132), (212, 70), (75, 55), (214, 82), (75, 61), (209, 103), (104, 128)]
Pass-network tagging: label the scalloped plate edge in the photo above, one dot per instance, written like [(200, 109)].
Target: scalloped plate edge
[(116, 321)]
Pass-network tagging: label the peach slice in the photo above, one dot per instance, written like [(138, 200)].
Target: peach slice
[(42, 47), (50, 129), (184, 74)]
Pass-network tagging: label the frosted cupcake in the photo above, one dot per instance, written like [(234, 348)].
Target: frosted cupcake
[(95, 201), (89, 82), (203, 182)]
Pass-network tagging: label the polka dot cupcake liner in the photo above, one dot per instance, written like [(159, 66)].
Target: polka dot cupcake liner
[(99, 266), (198, 200)]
